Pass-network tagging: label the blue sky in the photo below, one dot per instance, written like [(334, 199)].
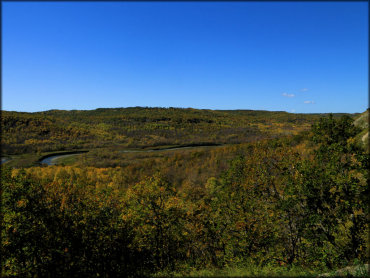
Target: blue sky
[(303, 57)]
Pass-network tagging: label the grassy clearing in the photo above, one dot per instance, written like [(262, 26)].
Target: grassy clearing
[(247, 271), (33, 159), (67, 160), (361, 270), (24, 160)]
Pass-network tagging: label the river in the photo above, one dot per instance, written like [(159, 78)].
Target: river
[(4, 159), (53, 159)]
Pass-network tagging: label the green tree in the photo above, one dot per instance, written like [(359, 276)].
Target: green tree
[(336, 192), (157, 215)]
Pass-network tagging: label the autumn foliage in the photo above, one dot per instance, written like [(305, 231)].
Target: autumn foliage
[(296, 200)]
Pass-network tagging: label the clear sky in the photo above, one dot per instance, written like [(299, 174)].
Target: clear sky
[(302, 57)]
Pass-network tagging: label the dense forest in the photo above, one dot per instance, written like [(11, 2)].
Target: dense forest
[(267, 193)]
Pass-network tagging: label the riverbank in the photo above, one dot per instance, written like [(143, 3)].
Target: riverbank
[(54, 158)]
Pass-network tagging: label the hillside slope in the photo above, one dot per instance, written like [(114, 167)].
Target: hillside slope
[(362, 121), (57, 130)]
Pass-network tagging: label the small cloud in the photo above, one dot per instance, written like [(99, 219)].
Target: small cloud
[(304, 90), (292, 111), (309, 102), (288, 95)]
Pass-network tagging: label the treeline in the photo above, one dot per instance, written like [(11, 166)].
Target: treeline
[(57, 130), (298, 201)]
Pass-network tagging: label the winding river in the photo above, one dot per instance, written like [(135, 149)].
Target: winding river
[(4, 159), (52, 159)]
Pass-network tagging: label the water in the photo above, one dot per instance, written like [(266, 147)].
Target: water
[(53, 160), (4, 159)]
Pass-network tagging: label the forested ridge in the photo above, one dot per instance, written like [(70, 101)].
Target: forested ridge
[(288, 198), (57, 130)]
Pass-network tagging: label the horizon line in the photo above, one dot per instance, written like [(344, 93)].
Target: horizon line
[(172, 107)]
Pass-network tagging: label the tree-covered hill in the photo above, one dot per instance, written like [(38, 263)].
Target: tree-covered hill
[(56, 130)]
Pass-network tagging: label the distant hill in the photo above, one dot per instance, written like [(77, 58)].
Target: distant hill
[(56, 130)]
